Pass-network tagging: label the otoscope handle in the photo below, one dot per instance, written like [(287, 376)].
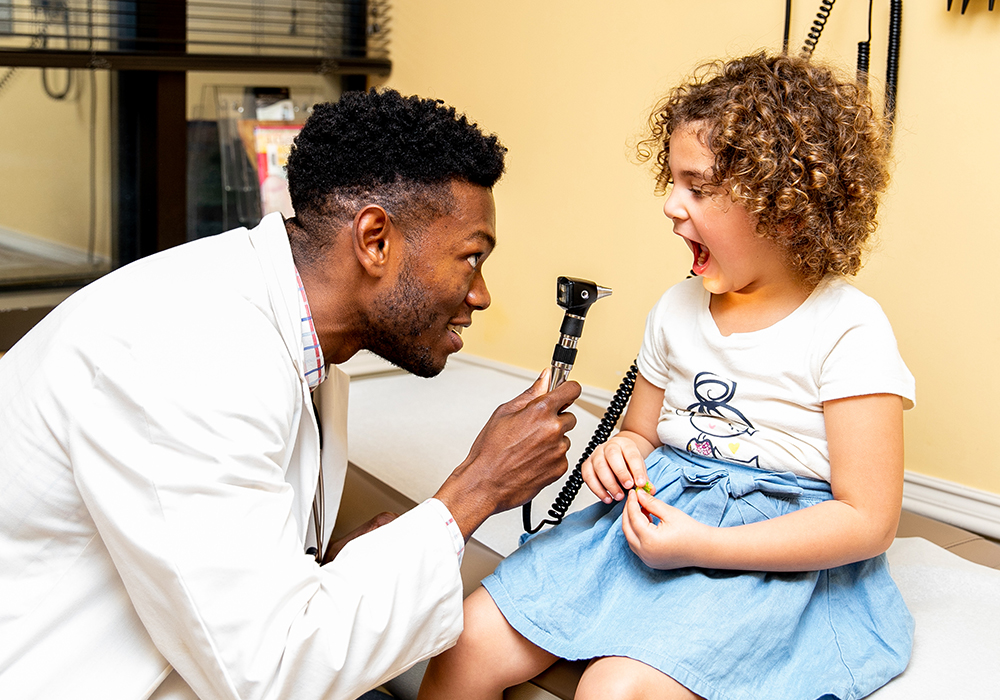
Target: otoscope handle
[(564, 354), (575, 296), (557, 376)]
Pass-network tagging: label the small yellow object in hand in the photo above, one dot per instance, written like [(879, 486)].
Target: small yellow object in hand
[(647, 487)]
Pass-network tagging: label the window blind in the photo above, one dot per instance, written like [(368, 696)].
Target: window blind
[(325, 36)]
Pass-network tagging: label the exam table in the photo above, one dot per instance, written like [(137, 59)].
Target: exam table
[(949, 577)]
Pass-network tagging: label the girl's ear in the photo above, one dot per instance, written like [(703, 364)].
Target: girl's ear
[(373, 234)]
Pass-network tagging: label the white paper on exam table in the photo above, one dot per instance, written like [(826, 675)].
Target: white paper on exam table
[(433, 424), (956, 607)]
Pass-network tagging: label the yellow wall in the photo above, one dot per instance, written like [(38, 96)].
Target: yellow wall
[(45, 158), (567, 84)]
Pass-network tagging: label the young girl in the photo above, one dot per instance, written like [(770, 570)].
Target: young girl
[(767, 419)]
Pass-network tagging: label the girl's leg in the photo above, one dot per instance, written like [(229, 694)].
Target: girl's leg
[(621, 678), (490, 656)]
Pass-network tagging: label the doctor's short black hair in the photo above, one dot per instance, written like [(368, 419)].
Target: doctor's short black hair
[(381, 147)]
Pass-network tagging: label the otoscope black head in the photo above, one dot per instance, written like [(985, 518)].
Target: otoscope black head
[(576, 296)]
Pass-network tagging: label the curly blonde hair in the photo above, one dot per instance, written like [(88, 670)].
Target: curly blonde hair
[(798, 147)]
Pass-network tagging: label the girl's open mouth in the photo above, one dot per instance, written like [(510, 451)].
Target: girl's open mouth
[(701, 257)]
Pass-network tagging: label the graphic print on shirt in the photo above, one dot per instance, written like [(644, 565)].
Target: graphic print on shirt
[(716, 420)]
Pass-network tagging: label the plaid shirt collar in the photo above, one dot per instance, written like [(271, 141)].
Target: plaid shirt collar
[(312, 353)]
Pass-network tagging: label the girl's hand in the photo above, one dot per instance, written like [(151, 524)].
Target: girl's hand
[(865, 437), (673, 543), (615, 467)]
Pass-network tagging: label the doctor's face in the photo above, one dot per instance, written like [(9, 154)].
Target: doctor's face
[(418, 323)]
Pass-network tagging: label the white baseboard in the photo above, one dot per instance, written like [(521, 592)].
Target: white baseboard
[(955, 504)]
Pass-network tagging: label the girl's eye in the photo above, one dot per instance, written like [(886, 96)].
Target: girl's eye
[(697, 192), (474, 260)]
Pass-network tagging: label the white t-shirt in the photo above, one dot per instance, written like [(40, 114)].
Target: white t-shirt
[(757, 398)]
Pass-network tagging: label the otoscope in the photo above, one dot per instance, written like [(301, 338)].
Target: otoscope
[(576, 296)]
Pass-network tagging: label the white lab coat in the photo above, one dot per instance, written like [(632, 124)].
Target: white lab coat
[(158, 459)]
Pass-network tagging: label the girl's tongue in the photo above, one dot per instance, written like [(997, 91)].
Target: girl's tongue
[(701, 257)]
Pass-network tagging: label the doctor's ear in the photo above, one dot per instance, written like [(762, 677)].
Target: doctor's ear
[(374, 238)]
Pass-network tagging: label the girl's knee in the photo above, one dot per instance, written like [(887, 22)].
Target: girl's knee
[(490, 656), (621, 678), (484, 625)]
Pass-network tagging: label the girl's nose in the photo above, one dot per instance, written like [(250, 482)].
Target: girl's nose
[(672, 207)]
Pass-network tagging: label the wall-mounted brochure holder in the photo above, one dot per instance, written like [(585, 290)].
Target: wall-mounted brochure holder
[(256, 129)]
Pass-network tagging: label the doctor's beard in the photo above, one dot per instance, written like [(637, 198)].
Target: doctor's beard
[(397, 322)]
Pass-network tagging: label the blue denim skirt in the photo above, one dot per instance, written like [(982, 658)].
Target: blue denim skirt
[(579, 592)]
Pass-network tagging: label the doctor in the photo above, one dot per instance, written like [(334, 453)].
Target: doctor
[(159, 450)]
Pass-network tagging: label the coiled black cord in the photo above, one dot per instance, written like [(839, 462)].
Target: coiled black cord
[(601, 434), (864, 51), (825, 8), (864, 58), (892, 63)]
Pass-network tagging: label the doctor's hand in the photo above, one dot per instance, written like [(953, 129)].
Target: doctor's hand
[(333, 549), (673, 542), (521, 449)]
